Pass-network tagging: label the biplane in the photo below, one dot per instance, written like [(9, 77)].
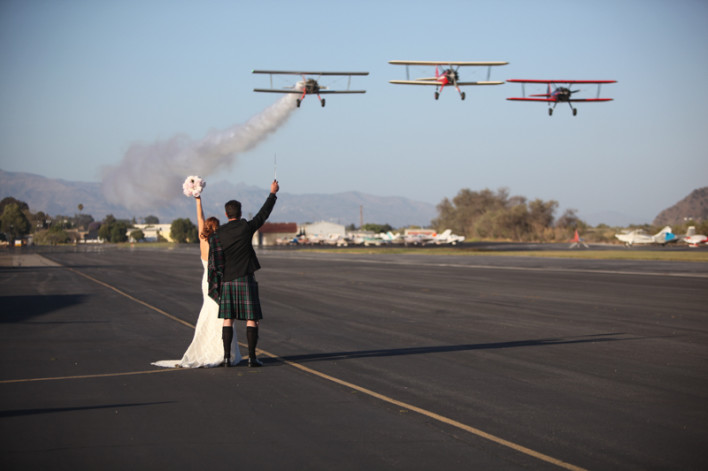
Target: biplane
[(308, 86), (561, 92), (448, 76)]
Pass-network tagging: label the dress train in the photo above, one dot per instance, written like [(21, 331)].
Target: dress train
[(207, 348)]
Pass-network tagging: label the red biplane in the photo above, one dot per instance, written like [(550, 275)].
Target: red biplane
[(560, 92)]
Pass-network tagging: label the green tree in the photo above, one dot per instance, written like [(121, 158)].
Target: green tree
[(137, 235), (24, 207), (377, 228), (113, 230), (13, 221), (183, 230), (151, 220)]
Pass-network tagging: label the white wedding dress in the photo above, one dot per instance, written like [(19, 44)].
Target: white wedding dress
[(207, 348)]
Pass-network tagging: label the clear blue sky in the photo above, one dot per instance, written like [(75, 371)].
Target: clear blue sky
[(83, 81)]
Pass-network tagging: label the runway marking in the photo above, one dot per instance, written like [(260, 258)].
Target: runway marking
[(499, 267), (368, 392), (132, 298), (432, 415)]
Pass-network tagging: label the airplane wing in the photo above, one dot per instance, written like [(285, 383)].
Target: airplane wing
[(435, 82), (295, 72), (299, 92), (561, 81), (551, 100), (459, 63)]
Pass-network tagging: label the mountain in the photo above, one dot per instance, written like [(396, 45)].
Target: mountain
[(55, 196), (694, 206)]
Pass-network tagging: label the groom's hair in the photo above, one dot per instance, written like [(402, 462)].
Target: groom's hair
[(233, 209)]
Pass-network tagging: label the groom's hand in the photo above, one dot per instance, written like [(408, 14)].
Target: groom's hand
[(274, 187)]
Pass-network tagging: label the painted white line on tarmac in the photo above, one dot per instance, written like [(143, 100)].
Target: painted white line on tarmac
[(448, 421)]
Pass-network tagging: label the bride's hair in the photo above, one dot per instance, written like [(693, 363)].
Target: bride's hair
[(210, 226)]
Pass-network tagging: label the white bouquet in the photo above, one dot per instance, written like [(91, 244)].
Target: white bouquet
[(193, 186)]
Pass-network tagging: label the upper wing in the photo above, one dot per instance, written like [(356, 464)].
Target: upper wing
[(560, 81), (435, 82), (278, 90), (297, 72), (460, 63)]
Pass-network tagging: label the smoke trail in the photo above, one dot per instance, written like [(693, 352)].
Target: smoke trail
[(151, 175)]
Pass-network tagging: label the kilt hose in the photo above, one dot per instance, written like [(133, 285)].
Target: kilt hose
[(239, 299)]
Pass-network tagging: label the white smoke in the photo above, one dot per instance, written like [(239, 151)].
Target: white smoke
[(151, 175)]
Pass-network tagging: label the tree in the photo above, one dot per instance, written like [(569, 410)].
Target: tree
[(377, 228), (183, 230), (13, 221), (486, 214), (151, 220), (113, 230), (137, 235), (24, 207), (570, 220)]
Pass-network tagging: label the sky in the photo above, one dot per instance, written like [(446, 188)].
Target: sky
[(90, 91)]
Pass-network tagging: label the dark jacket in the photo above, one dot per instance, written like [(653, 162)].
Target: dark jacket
[(231, 253)]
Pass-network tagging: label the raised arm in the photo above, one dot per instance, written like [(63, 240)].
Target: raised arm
[(200, 215)]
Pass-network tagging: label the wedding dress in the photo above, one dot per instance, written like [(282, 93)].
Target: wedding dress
[(207, 348)]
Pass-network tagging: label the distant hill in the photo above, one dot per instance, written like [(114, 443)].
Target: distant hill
[(694, 206), (54, 197)]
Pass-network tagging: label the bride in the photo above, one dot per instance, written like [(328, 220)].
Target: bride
[(206, 349)]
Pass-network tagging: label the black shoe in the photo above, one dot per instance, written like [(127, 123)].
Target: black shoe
[(254, 363), (227, 362)]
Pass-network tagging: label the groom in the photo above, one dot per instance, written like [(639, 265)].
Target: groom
[(232, 262)]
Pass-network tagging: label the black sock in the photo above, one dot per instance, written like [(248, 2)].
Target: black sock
[(227, 335), (252, 336)]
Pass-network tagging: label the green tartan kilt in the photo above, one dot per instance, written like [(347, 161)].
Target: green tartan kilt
[(239, 299)]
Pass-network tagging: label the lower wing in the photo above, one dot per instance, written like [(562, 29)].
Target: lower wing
[(552, 100), (435, 82), (300, 92)]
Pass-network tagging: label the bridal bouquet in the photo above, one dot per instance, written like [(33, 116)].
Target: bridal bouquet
[(193, 186)]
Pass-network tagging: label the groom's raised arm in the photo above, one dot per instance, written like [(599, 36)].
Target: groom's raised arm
[(266, 209)]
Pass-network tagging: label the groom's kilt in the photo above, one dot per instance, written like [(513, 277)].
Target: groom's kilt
[(239, 299)]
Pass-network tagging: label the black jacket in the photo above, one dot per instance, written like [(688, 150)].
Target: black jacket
[(235, 239)]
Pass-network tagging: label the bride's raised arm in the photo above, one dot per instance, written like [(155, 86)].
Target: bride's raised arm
[(200, 215)]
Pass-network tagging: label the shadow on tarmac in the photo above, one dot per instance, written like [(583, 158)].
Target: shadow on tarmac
[(609, 337), (22, 308), (51, 410)]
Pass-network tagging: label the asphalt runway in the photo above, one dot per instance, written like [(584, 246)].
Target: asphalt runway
[(395, 362)]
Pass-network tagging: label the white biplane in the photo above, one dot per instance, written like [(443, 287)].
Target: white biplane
[(448, 76), (308, 86)]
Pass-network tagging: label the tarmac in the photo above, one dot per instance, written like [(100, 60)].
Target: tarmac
[(372, 361)]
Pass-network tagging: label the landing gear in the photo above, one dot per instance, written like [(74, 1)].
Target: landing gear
[(298, 101), (575, 111), (437, 95), (462, 95), (323, 102), (550, 111)]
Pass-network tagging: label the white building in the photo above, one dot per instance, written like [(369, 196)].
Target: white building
[(323, 229), (151, 231)]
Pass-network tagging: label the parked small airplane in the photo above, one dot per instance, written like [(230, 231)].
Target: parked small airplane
[(448, 76), (576, 241), (308, 86), (638, 236), (447, 237), (559, 93), (693, 239)]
